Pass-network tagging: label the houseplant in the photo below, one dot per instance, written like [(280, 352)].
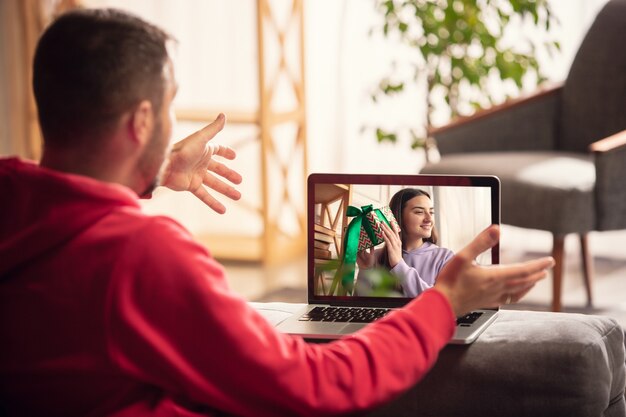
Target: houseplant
[(461, 55)]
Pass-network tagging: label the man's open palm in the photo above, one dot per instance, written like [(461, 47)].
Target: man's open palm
[(192, 166)]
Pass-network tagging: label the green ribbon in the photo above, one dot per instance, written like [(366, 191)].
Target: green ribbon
[(351, 245)]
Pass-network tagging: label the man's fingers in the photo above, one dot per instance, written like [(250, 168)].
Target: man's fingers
[(521, 283), (209, 200), (520, 279), (487, 239), (223, 151), (223, 171), (515, 297), (521, 270), (213, 128), (221, 187)]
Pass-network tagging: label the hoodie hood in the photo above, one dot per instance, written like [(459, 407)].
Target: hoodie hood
[(42, 209)]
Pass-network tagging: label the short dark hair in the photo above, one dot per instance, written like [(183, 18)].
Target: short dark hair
[(90, 67)]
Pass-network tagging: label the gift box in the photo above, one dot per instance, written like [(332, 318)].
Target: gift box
[(364, 231), (371, 233)]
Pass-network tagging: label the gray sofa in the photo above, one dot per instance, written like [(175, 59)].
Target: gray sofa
[(525, 364)]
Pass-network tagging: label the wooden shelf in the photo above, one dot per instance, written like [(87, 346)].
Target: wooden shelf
[(327, 193), (273, 245)]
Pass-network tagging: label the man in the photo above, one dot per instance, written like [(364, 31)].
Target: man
[(107, 311)]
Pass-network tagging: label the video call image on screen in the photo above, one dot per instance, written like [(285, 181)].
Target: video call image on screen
[(435, 223)]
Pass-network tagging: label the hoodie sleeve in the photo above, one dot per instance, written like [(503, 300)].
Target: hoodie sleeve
[(412, 283), (172, 322), (415, 281)]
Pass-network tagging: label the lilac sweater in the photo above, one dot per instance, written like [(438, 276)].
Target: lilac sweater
[(418, 268)]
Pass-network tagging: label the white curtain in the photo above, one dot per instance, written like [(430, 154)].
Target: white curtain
[(461, 213)]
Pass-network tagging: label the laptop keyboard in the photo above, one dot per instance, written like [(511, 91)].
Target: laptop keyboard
[(365, 315), (345, 314), (468, 318)]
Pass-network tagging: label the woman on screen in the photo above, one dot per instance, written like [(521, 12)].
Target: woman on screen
[(410, 254)]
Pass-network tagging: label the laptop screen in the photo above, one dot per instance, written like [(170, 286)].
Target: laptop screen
[(436, 215)]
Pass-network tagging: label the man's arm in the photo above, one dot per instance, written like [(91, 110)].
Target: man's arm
[(174, 323)]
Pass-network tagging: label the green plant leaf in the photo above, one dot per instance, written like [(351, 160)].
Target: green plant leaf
[(383, 136), (417, 141), (459, 49)]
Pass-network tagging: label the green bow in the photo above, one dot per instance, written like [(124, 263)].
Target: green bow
[(351, 245)]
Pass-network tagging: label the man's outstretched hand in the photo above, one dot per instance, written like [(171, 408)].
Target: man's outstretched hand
[(192, 166), (469, 286)]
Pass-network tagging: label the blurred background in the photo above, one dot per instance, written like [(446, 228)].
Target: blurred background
[(321, 86)]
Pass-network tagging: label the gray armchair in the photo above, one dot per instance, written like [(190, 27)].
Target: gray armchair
[(560, 153)]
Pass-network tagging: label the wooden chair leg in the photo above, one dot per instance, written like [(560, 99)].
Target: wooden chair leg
[(587, 266), (558, 249)]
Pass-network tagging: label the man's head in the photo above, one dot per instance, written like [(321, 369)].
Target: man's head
[(96, 70)]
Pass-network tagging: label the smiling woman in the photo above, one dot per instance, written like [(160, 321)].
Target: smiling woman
[(411, 253), (417, 217)]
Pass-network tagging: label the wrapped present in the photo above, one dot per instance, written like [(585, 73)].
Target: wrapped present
[(364, 231), (371, 233)]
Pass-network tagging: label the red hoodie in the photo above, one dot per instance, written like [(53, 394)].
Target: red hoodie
[(107, 311)]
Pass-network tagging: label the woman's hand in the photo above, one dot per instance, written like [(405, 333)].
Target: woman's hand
[(365, 259), (191, 167), (393, 244)]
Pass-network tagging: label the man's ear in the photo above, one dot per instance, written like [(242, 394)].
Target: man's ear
[(142, 123)]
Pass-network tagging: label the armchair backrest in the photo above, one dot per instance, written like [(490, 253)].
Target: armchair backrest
[(594, 95)]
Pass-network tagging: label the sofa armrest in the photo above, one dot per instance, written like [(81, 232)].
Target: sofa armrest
[(612, 143), (526, 364), (610, 194), (526, 123)]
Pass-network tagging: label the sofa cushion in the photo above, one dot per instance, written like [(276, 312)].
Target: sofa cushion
[(537, 187)]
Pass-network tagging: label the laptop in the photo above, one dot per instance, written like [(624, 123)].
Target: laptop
[(343, 298)]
